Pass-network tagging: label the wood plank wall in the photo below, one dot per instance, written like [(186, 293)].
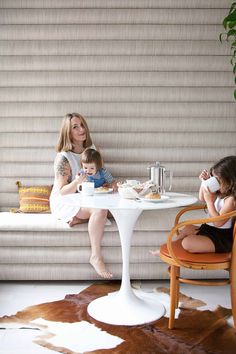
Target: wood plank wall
[(150, 76)]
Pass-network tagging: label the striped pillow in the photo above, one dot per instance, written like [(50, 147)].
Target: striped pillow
[(33, 199)]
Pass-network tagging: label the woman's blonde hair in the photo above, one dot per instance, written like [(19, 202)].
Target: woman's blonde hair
[(64, 141)]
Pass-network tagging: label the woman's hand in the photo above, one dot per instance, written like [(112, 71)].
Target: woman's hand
[(80, 178)]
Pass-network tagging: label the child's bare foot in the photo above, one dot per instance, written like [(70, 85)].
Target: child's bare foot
[(155, 253), (100, 267)]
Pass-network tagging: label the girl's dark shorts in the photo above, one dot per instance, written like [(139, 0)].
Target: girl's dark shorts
[(222, 238)]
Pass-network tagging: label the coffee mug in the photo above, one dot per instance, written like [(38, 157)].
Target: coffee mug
[(86, 188), (211, 183)]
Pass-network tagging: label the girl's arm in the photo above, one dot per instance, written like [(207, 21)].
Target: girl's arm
[(203, 176), (64, 176), (229, 205), (110, 181)]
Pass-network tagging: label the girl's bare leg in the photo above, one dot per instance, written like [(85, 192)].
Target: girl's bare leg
[(97, 219), (198, 244)]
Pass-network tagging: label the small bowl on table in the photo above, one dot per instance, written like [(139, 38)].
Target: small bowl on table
[(132, 191)]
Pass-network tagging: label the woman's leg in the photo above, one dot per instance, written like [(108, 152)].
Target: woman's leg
[(97, 219), (198, 244), (75, 220), (96, 229)]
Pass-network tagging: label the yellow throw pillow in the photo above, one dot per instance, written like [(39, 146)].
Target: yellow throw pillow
[(33, 199)]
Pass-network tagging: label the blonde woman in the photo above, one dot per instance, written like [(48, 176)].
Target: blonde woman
[(74, 138)]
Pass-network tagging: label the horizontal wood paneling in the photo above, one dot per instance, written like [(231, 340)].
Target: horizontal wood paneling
[(111, 16), (128, 139), (61, 79), (150, 76), (116, 94), (113, 109), (187, 154), (118, 32), (121, 124), (212, 4), (112, 47), (115, 63)]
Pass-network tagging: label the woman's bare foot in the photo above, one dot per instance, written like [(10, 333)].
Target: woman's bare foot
[(75, 221), (155, 253), (100, 267)]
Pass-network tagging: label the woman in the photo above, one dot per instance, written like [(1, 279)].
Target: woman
[(74, 138)]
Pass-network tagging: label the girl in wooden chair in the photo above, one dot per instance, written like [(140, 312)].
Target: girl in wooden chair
[(214, 237)]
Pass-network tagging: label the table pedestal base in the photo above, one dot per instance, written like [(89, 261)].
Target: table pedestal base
[(117, 309)]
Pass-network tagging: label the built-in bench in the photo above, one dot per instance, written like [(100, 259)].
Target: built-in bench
[(37, 246)]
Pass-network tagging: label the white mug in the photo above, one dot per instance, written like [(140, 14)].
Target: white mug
[(211, 183), (86, 188)]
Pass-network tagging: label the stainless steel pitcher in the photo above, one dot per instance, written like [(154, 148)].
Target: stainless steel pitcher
[(158, 175)]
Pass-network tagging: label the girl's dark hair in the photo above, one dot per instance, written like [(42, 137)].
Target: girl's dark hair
[(92, 156), (225, 169)]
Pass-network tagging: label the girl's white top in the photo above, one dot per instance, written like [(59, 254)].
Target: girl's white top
[(219, 203)]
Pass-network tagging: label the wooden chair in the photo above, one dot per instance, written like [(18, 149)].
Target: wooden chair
[(174, 254)]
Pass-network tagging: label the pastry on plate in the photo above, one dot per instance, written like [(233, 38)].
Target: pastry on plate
[(102, 189), (153, 195)]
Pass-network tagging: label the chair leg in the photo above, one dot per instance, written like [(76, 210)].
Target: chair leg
[(177, 287), (173, 293), (233, 287)]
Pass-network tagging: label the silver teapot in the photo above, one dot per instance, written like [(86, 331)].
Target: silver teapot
[(158, 176)]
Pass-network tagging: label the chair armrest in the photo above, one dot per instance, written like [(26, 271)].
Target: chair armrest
[(186, 209), (175, 229)]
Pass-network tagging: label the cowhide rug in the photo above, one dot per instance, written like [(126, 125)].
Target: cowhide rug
[(197, 332)]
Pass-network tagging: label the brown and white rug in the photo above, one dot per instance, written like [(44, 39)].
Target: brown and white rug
[(65, 327)]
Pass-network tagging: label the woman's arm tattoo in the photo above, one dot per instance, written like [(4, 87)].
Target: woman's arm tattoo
[(63, 168)]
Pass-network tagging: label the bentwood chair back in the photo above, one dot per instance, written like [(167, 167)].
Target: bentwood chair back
[(174, 254)]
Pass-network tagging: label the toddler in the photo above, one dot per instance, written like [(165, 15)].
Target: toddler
[(93, 170)]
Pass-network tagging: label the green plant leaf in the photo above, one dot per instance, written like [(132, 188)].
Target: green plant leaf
[(229, 24), (229, 21), (232, 7), (230, 33)]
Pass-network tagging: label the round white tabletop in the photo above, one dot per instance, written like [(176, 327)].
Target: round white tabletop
[(127, 307), (114, 201)]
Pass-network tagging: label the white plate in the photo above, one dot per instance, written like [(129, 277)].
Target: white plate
[(97, 191), (163, 197)]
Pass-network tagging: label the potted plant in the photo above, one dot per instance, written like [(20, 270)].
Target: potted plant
[(229, 24)]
